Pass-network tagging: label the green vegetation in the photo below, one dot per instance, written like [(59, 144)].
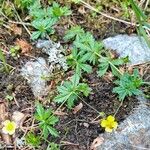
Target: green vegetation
[(44, 19), (70, 91), (3, 61), (33, 140), (128, 85), (46, 121), (86, 54), (142, 19)]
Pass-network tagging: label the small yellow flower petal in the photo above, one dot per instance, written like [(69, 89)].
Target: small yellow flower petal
[(108, 129), (103, 123), (114, 125), (110, 118), (4, 130), (6, 122)]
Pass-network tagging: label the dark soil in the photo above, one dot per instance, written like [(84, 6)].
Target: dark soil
[(80, 129)]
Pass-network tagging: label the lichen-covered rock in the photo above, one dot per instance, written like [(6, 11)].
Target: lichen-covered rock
[(34, 72), (55, 53), (133, 133), (133, 46)]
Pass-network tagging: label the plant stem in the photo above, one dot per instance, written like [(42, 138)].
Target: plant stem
[(110, 63), (105, 15), (118, 108), (147, 83), (87, 104)]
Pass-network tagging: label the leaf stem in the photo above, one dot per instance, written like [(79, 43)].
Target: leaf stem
[(147, 83), (110, 64), (87, 104)]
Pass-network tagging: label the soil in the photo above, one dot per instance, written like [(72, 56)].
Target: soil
[(77, 131)]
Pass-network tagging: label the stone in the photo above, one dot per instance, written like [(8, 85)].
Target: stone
[(34, 72), (133, 46)]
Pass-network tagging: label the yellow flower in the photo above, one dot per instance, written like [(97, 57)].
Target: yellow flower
[(9, 127), (109, 124)]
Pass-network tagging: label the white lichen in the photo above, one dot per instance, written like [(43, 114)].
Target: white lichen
[(55, 53)]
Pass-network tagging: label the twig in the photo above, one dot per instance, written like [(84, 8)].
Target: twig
[(87, 104), (146, 5), (21, 23), (107, 16), (21, 20), (15, 22), (118, 108)]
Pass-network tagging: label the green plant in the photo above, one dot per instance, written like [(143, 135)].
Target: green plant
[(142, 20), (108, 62), (57, 11), (23, 4), (9, 97), (91, 51), (47, 120), (3, 59), (125, 6), (44, 27), (75, 60), (44, 19), (14, 51), (89, 47), (73, 33), (70, 90), (33, 140), (53, 146), (128, 85), (6, 8)]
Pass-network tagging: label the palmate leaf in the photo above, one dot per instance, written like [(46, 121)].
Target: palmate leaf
[(43, 27), (73, 32), (57, 11), (70, 90), (79, 62), (106, 62), (35, 35), (128, 85), (46, 120), (89, 46), (52, 131)]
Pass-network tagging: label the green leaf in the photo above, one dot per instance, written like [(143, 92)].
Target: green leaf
[(3, 59), (61, 98), (87, 68), (73, 89), (46, 120), (128, 85), (73, 32), (53, 146), (32, 139), (79, 62), (108, 62), (84, 88), (52, 131), (35, 35)]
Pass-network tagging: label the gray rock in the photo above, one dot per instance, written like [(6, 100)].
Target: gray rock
[(133, 133), (34, 72), (55, 52), (133, 46)]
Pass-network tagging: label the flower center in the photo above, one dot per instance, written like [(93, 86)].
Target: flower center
[(110, 125), (10, 127)]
